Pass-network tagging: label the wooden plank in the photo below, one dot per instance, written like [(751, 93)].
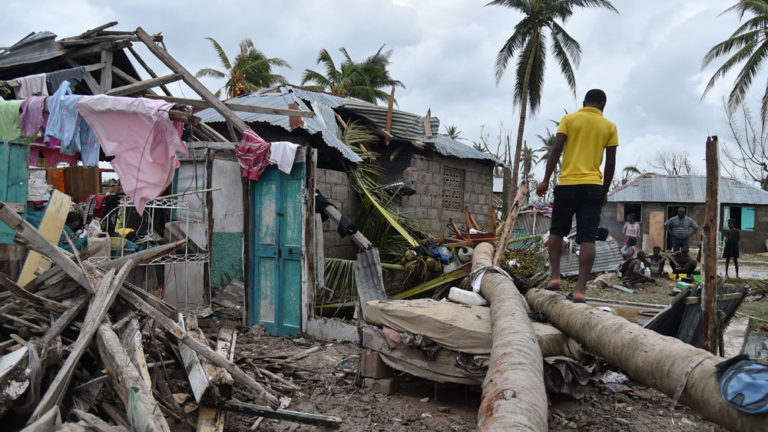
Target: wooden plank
[(95, 30), (106, 73), (368, 278), (190, 79), (199, 103), (359, 239), (50, 228), (211, 419), (63, 321), (105, 296), (142, 410), (196, 373), (390, 103), (428, 125), (656, 229), (96, 423), (146, 67), (509, 224), (140, 86), (132, 343), (27, 296), (260, 393), (267, 412), (88, 78)]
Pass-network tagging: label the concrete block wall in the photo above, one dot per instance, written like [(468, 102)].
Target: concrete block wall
[(426, 206), (335, 186)]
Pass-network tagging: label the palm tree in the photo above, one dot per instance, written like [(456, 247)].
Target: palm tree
[(547, 144), (250, 71), (452, 131), (363, 80), (749, 44), (528, 43)]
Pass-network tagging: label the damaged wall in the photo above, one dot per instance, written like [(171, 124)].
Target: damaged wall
[(335, 186), (227, 238)]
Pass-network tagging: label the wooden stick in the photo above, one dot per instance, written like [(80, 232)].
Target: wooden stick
[(204, 350), (148, 69), (27, 296), (260, 109), (95, 422), (191, 81), (106, 73), (267, 412), (509, 224), (709, 251), (141, 408), (131, 341), (140, 86), (108, 289)]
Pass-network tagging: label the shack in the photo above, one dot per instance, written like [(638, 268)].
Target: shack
[(653, 199)]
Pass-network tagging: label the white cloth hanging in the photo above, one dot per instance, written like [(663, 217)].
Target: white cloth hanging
[(282, 153)]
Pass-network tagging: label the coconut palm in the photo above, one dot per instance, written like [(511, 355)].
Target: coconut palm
[(528, 44), (547, 144), (452, 131), (250, 71), (363, 80), (748, 44)]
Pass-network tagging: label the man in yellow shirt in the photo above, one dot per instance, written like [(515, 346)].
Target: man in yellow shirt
[(582, 138)]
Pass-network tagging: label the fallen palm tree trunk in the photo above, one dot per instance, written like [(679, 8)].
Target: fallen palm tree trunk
[(513, 391), (665, 363)]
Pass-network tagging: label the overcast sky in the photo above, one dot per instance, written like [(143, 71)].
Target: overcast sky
[(647, 59)]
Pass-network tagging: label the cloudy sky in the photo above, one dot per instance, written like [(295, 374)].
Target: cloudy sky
[(647, 59)]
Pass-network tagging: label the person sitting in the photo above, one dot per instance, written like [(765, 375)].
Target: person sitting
[(628, 250), (637, 271), (681, 262), (657, 262)]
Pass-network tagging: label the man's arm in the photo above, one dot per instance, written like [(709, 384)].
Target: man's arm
[(666, 226), (695, 227), (610, 167), (554, 156)]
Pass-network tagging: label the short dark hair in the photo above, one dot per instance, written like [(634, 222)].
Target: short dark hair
[(595, 96)]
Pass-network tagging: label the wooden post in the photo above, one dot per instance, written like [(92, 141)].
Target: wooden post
[(106, 73), (513, 211), (709, 249), (388, 128)]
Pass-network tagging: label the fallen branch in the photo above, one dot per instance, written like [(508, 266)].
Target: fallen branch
[(279, 414)]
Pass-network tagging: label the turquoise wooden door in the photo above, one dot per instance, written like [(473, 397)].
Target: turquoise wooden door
[(277, 200), (14, 175)]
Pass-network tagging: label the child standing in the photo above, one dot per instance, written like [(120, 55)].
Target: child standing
[(631, 229), (731, 249)]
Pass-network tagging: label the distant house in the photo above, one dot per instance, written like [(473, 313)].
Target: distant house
[(655, 198)]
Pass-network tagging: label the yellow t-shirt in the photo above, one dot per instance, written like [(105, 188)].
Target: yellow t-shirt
[(589, 133)]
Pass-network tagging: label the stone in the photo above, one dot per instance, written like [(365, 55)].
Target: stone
[(385, 386)]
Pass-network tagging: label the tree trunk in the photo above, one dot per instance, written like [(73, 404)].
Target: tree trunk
[(514, 397), (658, 361), (523, 113), (709, 249)]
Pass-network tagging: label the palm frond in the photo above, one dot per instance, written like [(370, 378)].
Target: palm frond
[(210, 72), (220, 52)]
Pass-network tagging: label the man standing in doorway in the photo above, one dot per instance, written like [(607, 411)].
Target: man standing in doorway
[(582, 138), (681, 228)]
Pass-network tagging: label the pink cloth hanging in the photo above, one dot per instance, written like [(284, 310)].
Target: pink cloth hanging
[(52, 157), (32, 117), (143, 139), (253, 155)]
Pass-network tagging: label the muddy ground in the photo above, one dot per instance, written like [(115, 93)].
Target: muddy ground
[(418, 405)]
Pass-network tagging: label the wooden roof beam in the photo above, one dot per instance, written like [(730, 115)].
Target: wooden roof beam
[(237, 106)]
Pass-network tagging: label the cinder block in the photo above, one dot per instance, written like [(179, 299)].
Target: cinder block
[(372, 366), (385, 386)]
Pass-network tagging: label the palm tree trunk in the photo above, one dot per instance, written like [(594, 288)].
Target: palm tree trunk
[(523, 113)]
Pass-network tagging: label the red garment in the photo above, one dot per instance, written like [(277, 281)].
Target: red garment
[(51, 156), (253, 155)]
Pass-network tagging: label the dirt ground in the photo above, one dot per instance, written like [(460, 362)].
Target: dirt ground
[(418, 405)]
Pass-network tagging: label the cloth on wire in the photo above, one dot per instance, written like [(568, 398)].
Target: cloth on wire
[(68, 129), (283, 153), (10, 125), (143, 139), (32, 118), (253, 155), (74, 76), (32, 85)]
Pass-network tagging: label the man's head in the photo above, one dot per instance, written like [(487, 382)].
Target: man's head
[(681, 212), (641, 255), (595, 98), (656, 250), (731, 223), (631, 218), (684, 250)]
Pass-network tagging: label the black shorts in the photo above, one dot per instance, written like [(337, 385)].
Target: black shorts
[(586, 202)]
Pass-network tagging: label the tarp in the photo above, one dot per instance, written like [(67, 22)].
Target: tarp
[(458, 327)]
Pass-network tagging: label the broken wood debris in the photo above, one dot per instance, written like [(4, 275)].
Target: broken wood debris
[(60, 325)]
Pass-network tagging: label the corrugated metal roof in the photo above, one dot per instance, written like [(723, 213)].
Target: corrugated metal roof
[(686, 189), (451, 147), (405, 125), (525, 223), (323, 123), (607, 258), (307, 95), (34, 48)]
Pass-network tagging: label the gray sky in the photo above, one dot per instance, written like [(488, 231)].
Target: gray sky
[(647, 59)]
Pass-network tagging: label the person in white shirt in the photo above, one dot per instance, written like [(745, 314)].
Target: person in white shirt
[(631, 229)]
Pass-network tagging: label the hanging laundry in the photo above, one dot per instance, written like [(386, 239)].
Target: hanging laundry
[(10, 125), (283, 153), (32, 85), (68, 129), (51, 156), (74, 76), (253, 155), (143, 139), (32, 118)]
